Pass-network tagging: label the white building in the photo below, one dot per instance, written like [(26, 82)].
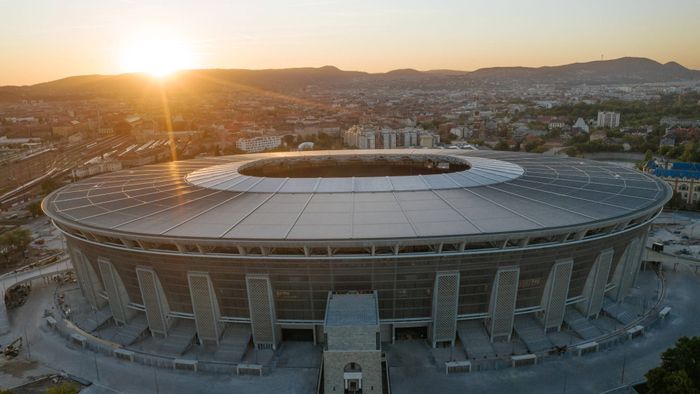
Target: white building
[(360, 137), (369, 137), (259, 144), (461, 132), (388, 139), (608, 119), (99, 167), (581, 125), (429, 140)]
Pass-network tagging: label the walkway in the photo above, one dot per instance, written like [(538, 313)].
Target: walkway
[(672, 259), (21, 276), (18, 277)]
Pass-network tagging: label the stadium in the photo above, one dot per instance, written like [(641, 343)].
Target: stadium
[(441, 237)]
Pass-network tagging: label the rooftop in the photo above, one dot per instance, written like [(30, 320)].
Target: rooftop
[(677, 170), (352, 310), (499, 192)]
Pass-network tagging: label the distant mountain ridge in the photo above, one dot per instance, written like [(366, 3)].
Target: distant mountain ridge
[(623, 70)]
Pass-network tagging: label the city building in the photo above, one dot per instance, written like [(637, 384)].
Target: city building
[(360, 137), (388, 139), (408, 137), (608, 119), (684, 178), (95, 168), (580, 126), (461, 132), (438, 238), (368, 137), (428, 140), (259, 144)]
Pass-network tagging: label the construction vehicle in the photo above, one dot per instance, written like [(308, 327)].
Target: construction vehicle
[(12, 350)]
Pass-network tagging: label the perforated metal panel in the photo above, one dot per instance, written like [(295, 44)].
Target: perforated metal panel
[(262, 310), (594, 289), (502, 306), (77, 260), (115, 293), (153, 300), (642, 256), (555, 294), (204, 306), (619, 273), (631, 265), (445, 301), (87, 278)]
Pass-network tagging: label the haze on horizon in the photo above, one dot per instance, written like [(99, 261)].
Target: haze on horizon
[(43, 40)]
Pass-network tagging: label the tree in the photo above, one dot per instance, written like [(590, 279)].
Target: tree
[(691, 152), (288, 140), (14, 241), (502, 145), (662, 381), (648, 156), (35, 209), (679, 371), (48, 186)]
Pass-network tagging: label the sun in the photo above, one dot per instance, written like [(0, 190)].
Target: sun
[(157, 56)]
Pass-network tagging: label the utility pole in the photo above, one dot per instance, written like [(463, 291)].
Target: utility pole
[(624, 361), (29, 352), (155, 379), (565, 381), (94, 353)]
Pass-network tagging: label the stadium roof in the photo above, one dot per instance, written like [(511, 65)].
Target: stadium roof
[(502, 192)]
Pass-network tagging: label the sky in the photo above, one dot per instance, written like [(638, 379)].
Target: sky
[(42, 40)]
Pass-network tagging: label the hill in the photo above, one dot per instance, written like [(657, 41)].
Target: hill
[(623, 70)]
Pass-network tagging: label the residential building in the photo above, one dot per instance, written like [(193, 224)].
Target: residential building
[(96, 168), (608, 119), (388, 139), (259, 144)]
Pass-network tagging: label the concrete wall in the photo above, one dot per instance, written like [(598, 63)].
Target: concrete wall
[(335, 362), (351, 337)]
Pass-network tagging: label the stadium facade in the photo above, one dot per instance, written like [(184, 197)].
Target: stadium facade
[(436, 236)]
